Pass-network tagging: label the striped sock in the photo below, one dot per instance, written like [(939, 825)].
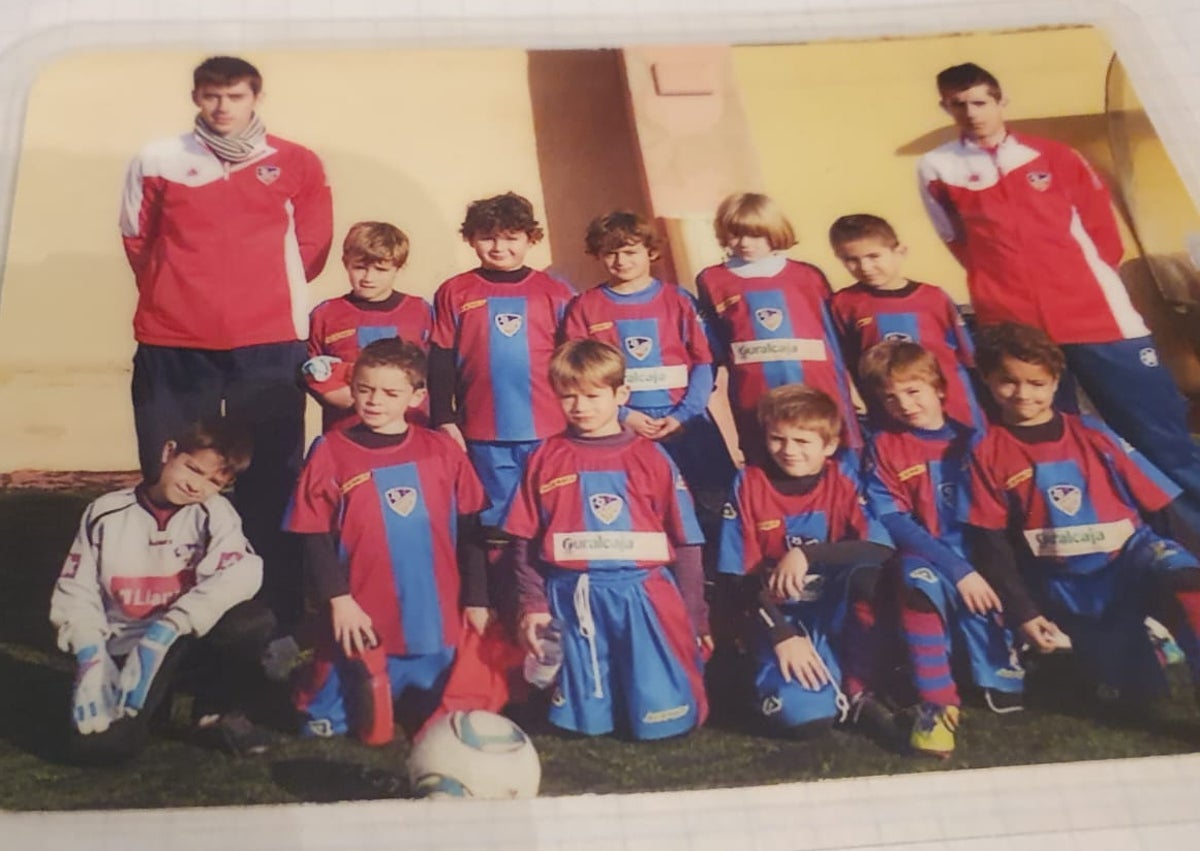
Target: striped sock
[(929, 652)]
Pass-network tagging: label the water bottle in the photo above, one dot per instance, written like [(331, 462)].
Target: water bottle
[(541, 671)]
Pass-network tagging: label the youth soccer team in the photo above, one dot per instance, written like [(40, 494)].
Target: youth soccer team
[(520, 468)]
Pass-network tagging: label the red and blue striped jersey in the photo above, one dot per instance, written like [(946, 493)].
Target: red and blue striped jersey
[(502, 335), (611, 504), (922, 473), (920, 313), (341, 327), (1075, 500), (395, 512), (759, 523), (777, 330), (658, 331)]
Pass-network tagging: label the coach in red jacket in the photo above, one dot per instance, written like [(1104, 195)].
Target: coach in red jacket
[(224, 226), (1033, 226)]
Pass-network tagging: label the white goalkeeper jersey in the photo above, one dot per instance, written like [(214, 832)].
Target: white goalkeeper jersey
[(132, 562)]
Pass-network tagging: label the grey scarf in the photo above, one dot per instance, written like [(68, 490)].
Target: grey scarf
[(234, 148)]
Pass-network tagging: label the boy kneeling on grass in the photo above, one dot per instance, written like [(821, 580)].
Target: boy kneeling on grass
[(158, 572), (1074, 529)]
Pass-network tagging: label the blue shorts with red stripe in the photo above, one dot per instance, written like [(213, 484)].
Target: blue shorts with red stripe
[(327, 691), (630, 658), (500, 466), (988, 644)]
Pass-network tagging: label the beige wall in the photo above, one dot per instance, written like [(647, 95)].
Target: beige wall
[(409, 137)]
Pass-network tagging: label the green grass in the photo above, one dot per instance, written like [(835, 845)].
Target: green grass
[(36, 527)]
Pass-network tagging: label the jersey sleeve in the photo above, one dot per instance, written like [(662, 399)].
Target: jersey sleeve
[(957, 337), (426, 326), (885, 494), (524, 518), (469, 494), (312, 214), (141, 209), (317, 498), (1134, 475), (982, 502), (574, 325), (76, 606), (675, 502), (1090, 197), (739, 552), (229, 573), (445, 320), (861, 522), (941, 211), (714, 329)]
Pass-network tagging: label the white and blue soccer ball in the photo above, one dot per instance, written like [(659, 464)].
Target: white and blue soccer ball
[(474, 754)]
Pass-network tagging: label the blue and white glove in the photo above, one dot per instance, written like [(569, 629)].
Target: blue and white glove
[(142, 664), (320, 368), (95, 698)]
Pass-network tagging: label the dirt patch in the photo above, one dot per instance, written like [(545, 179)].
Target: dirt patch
[(65, 480)]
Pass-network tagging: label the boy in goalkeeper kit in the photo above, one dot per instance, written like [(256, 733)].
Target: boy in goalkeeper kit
[(157, 573)]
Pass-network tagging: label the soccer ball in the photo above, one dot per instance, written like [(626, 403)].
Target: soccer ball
[(474, 754)]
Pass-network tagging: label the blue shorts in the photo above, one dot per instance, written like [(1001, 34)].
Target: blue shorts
[(1104, 611), (630, 658), (987, 643), (820, 616), (324, 697), (500, 466)]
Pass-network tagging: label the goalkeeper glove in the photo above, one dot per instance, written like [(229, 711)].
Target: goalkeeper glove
[(142, 666), (95, 698), (320, 368)]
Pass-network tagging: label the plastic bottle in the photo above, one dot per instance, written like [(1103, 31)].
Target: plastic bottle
[(542, 671)]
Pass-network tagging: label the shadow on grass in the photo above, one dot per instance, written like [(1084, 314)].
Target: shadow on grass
[(324, 781), (34, 714)]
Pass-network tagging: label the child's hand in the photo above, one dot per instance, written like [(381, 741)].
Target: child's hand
[(352, 627), (1045, 635), (978, 595), (798, 660), (642, 424), (456, 433), (786, 581), (477, 617), (527, 631), (667, 426)]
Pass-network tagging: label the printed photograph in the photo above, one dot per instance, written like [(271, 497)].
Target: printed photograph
[(493, 423)]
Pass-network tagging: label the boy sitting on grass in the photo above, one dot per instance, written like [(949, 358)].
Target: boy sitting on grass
[(1074, 529), (917, 470), (805, 557), (158, 572)]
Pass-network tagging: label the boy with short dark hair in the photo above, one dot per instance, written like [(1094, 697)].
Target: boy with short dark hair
[(373, 254), (804, 557), (494, 331), (917, 467), (884, 305), (387, 510), (668, 363), (607, 544), (1073, 528), (153, 570)]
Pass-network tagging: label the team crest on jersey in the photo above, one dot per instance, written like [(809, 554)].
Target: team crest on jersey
[(508, 323), (639, 347), (923, 574), (267, 174), (898, 337), (728, 511), (1066, 498), (1148, 356), (606, 506), (1039, 180), (769, 317), (401, 500)]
